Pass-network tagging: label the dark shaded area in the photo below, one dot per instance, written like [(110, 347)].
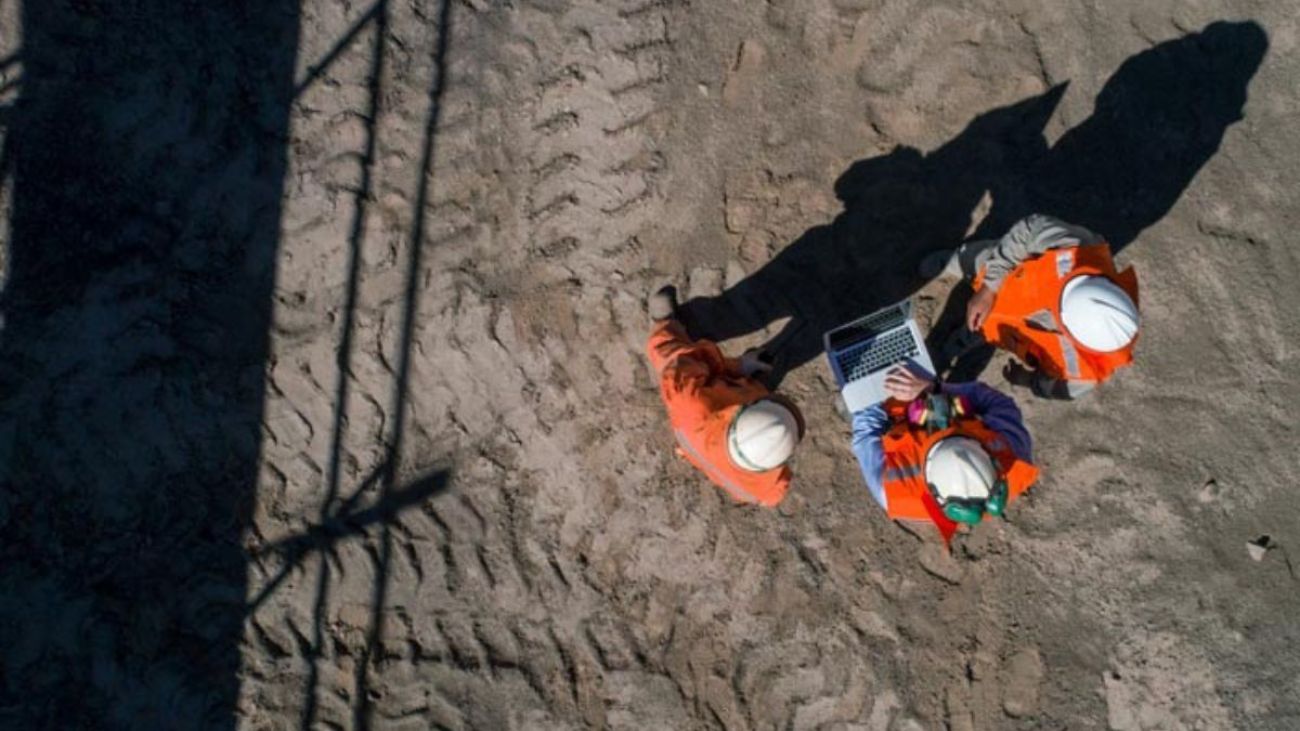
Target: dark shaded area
[(897, 207), (1155, 123), (1158, 119), (343, 518), (146, 153), (147, 179)]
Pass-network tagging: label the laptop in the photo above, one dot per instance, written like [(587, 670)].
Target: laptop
[(864, 351)]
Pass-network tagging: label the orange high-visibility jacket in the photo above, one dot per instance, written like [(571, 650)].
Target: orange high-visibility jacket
[(703, 390), (908, 497), (1026, 314)]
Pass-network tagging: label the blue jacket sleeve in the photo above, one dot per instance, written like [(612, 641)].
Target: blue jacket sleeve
[(998, 412), (869, 425)]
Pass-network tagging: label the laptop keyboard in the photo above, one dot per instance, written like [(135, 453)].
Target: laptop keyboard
[(862, 360)]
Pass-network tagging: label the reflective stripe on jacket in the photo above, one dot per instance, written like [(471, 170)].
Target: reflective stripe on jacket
[(906, 445), (703, 390), (1026, 314)]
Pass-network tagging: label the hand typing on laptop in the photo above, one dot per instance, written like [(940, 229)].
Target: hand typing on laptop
[(864, 352), (905, 385)]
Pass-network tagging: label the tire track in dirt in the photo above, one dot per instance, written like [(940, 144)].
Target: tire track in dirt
[(596, 157), (587, 178), (542, 588), (486, 547)]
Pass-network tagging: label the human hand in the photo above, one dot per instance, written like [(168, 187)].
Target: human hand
[(755, 361), (904, 385), (978, 308)]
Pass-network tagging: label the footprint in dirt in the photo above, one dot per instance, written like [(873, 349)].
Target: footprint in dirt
[(1020, 683)]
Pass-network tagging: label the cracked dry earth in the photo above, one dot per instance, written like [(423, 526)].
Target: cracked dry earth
[(468, 513)]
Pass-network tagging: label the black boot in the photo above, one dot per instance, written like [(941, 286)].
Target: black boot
[(662, 305)]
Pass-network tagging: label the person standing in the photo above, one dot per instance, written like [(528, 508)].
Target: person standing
[(1049, 293), (727, 423)]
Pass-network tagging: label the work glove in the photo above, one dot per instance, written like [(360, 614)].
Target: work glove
[(1018, 375), (755, 362)]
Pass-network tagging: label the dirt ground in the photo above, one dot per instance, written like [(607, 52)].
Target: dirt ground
[(463, 509)]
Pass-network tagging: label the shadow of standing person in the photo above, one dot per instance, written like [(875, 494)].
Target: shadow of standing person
[(1155, 123), (897, 207), (146, 154)]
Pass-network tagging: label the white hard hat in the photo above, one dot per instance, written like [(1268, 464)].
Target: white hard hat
[(1100, 315), (763, 435), (958, 467)]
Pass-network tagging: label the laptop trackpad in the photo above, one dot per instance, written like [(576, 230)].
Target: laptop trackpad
[(869, 391), (864, 392)]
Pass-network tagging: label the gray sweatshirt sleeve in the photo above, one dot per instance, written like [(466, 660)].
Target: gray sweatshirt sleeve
[(1032, 236)]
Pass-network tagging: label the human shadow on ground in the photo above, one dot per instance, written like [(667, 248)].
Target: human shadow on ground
[(896, 207), (1155, 123), (1158, 119), (146, 154)]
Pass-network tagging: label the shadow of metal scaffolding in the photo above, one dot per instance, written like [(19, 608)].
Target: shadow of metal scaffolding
[(340, 518)]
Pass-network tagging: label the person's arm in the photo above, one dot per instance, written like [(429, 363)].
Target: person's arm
[(668, 340), (684, 366), (998, 411), (982, 398), (684, 377), (869, 425), (1032, 236)]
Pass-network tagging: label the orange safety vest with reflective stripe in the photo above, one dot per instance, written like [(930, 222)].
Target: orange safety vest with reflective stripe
[(908, 496), (702, 393), (1026, 314)]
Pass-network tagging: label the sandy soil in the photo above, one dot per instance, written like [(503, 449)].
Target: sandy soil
[(447, 497)]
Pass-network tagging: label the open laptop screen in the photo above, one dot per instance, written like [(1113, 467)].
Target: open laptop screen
[(867, 327)]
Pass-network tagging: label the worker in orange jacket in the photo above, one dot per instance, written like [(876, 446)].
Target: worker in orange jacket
[(947, 454), (1049, 293), (727, 423)]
